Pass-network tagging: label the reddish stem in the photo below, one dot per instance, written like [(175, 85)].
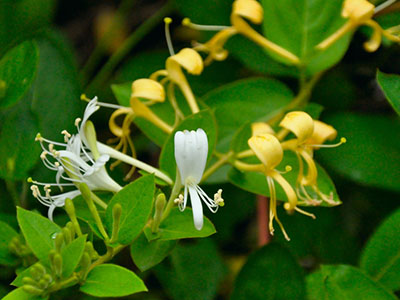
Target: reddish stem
[(264, 236)]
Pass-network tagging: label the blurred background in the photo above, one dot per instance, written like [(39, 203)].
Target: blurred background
[(86, 46)]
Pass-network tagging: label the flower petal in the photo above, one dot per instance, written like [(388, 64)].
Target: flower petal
[(196, 207)]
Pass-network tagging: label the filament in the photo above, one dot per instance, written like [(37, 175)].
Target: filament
[(168, 21), (188, 23)]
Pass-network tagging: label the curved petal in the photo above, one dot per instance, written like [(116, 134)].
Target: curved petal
[(196, 207)]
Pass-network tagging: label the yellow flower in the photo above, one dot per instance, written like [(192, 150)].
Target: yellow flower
[(310, 134), (241, 10), (358, 13), (268, 150)]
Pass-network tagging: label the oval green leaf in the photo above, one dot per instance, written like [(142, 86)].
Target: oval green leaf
[(344, 282), (17, 70), (256, 99), (38, 232), (371, 154), (381, 256), (300, 25), (136, 200), (270, 273), (147, 254), (390, 84), (110, 280)]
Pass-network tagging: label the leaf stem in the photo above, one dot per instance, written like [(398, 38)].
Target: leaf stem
[(219, 163)]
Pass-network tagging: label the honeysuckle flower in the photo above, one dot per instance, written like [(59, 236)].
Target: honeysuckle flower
[(241, 10), (310, 135), (358, 13), (191, 150), (76, 161)]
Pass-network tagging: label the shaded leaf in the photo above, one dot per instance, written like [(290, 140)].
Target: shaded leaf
[(390, 84), (344, 282), (7, 233), (110, 280)]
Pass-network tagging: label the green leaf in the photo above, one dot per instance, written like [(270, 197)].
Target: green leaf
[(194, 271), (300, 25), (20, 294), (72, 254), (21, 19), (256, 182), (179, 225), (56, 88), (390, 84), (110, 280), (270, 273), (255, 99), (136, 200), (7, 233), (27, 273), (18, 129), (17, 70), (256, 59), (370, 156), (38, 232), (342, 282), (147, 254), (381, 256), (205, 120)]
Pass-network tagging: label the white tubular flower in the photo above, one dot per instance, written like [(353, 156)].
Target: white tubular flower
[(75, 161), (191, 149)]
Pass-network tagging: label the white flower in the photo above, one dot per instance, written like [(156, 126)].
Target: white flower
[(191, 149), (77, 161)]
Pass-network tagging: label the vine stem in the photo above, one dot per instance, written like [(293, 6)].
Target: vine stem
[(219, 163), (129, 43), (264, 237)]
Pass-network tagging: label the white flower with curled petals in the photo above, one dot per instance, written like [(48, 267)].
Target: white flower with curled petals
[(191, 150)]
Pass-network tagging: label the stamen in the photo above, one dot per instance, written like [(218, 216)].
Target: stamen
[(110, 105), (188, 23), (218, 198), (179, 200), (342, 141), (38, 137), (43, 155), (383, 5), (84, 98), (77, 121), (168, 21), (288, 168), (51, 148), (67, 135), (304, 212)]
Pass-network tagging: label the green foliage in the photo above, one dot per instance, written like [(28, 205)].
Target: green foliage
[(17, 70), (20, 294), (344, 282), (195, 265), (39, 232), (7, 233), (381, 256), (110, 280), (72, 255), (136, 200), (299, 26), (390, 84), (256, 99), (370, 155), (147, 254), (179, 225), (270, 273)]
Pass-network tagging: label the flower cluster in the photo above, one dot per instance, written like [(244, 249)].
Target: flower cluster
[(269, 148)]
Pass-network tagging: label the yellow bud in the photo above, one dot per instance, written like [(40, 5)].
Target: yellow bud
[(358, 10), (258, 128), (299, 123), (268, 150), (148, 89), (322, 133), (187, 58), (249, 9)]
